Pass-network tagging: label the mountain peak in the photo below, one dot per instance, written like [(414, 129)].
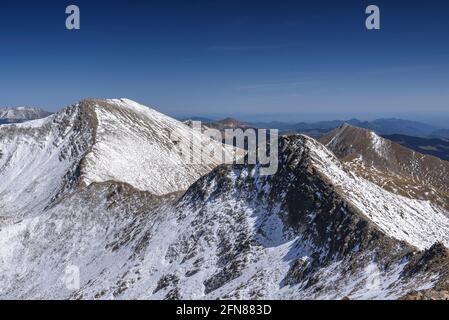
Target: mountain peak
[(347, 138), (95, 141), (390, 165), (139, 142)]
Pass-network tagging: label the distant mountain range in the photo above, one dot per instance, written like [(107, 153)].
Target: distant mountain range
[(21, 114), (387, 126), (380, 126), (417, 136)]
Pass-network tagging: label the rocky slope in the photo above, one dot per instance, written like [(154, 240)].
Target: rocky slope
[(94, 141), (313, 230), (390, 165), (142, 147), (40, 159)]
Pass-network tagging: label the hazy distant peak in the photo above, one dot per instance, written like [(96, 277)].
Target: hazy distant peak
[(22, 113), (233, 123)]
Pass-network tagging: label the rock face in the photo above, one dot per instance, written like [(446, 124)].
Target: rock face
[(313, 230), (21, 114)]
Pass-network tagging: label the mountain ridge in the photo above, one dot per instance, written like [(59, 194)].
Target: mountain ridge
[(233, 235), (313, 230), (391, 165)]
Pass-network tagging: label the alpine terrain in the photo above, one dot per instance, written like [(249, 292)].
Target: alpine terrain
[(21, 114), (96, 202)]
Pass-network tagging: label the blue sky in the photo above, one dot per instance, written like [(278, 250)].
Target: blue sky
[(257, 60)]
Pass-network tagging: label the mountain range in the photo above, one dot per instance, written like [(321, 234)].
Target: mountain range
[(417, 136), (387, 126), (100, 188)]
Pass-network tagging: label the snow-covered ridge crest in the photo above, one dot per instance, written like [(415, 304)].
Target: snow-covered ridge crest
[(134, 144), (418, 222), (93, 141), (391, 166), (39, 159)]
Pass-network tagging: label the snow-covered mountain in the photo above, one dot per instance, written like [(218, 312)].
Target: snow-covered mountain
[(390, 165), (21, 114), (313, 230), (93, 141)]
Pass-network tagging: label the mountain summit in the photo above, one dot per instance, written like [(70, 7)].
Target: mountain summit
[(390, 165), (94, 141)]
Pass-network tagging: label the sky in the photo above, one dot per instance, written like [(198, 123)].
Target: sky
[(254, 60)]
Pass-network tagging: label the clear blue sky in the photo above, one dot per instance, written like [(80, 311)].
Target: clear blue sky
[(271, 60)]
